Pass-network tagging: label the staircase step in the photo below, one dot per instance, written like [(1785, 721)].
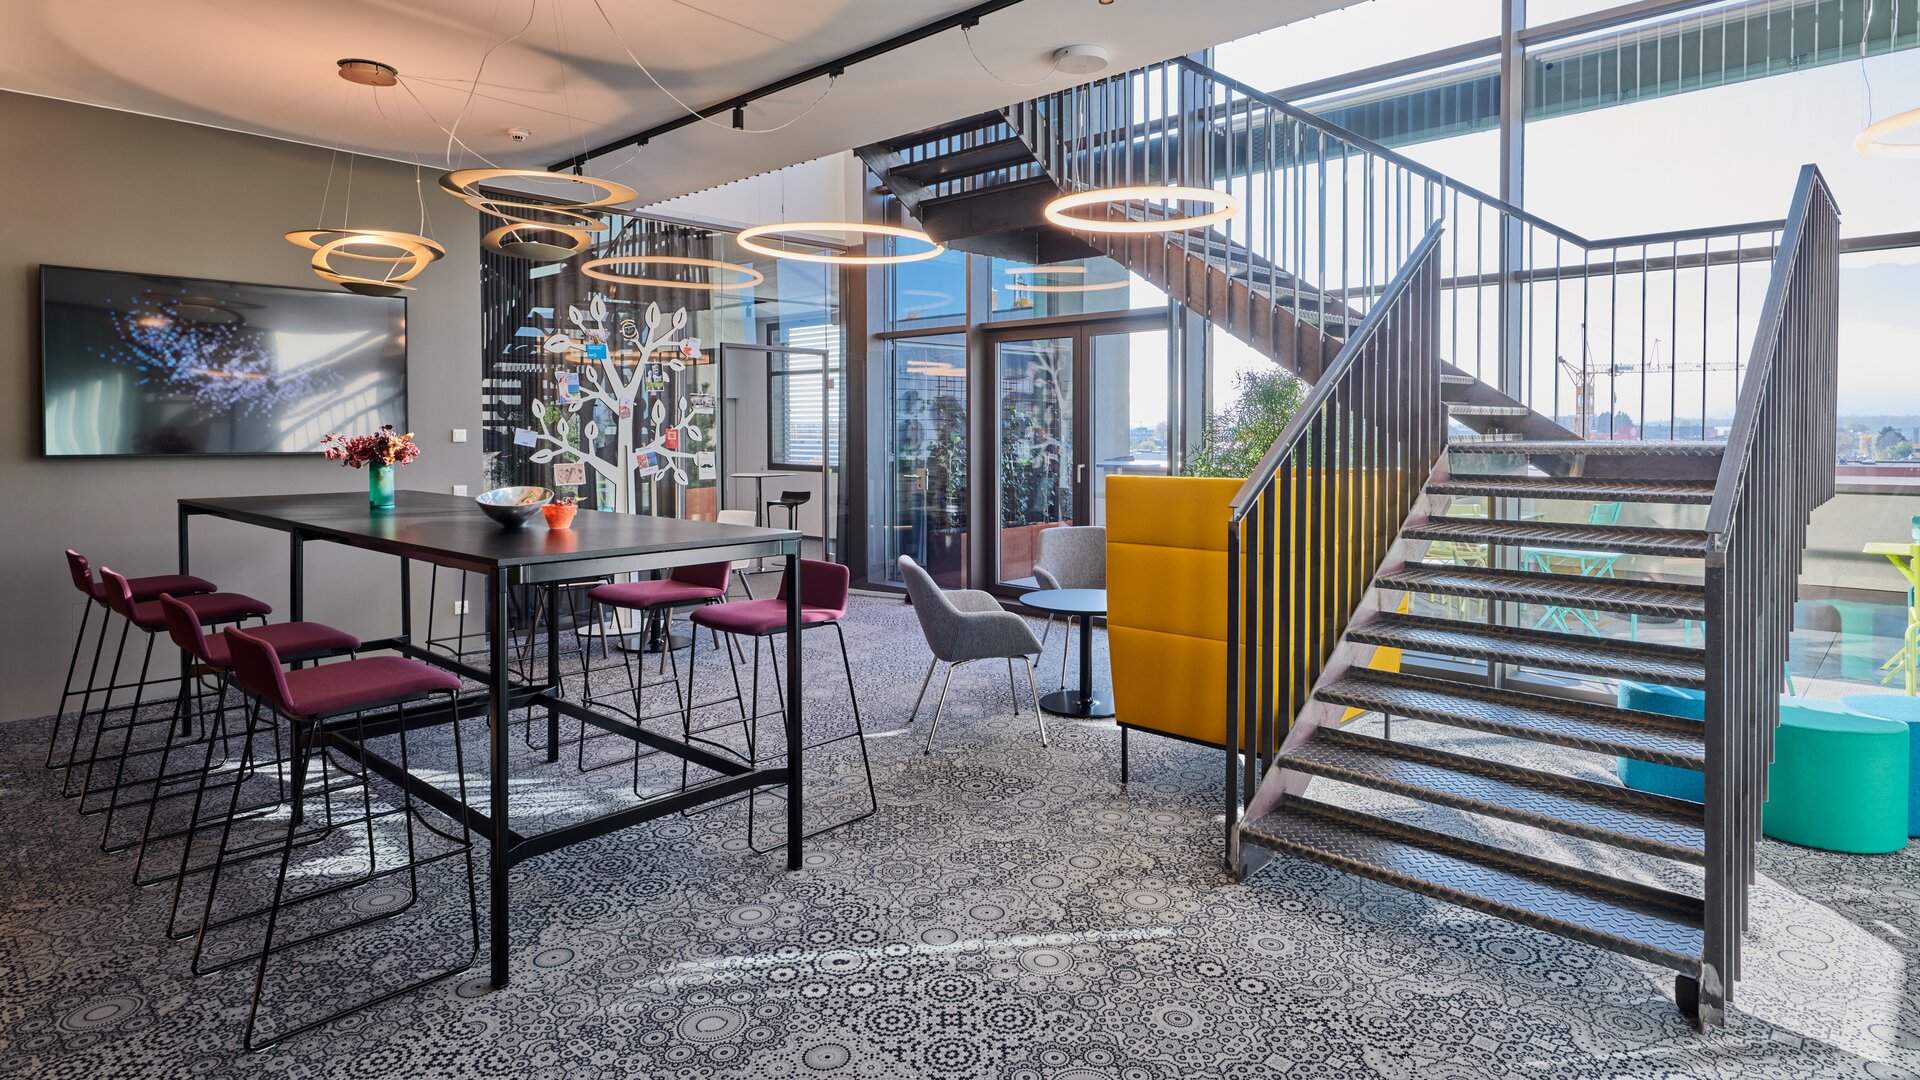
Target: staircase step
[(1557, 535), (1669, 664), (1691, 493), (1460, 408), (1448, 379), (1641, 921), (1648, 447), (972, 161), (1576, 725), (1671, 600), (1605, 813)]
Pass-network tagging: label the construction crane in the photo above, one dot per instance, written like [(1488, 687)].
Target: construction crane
[(1584, 374)]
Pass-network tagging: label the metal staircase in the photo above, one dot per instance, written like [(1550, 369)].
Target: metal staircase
[(1428, 499)]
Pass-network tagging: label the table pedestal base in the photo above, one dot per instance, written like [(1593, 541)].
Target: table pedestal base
[(1077, 705)]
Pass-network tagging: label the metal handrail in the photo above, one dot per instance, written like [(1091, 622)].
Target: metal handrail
[(1746, 414), (1329, 382)]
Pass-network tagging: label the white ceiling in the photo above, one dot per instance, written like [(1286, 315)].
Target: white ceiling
[(267, 67)]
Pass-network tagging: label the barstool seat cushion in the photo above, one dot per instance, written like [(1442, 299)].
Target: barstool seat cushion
[(641, 595), (292, 640), (758, 618), (148, 588), (219, 607), (363, 684)]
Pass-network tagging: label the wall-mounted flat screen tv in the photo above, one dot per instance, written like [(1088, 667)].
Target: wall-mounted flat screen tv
[(142, 364)]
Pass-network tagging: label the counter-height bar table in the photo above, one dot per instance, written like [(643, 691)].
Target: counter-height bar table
[(447, 530)]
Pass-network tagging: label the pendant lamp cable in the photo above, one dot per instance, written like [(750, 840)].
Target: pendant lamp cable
[(967, 33), (694, 112)]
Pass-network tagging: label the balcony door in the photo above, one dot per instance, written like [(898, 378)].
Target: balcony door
[(1073, 404)]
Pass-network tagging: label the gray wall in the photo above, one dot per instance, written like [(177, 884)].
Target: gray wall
[(90, 187)]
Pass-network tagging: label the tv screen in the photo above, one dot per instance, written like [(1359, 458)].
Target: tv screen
[(141, 364)]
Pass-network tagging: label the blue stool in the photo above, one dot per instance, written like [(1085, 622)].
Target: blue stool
[(1669, 780), (1907, 711)]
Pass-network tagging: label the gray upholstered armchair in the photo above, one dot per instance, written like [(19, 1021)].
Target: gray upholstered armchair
[(962, 627), (1070, 557)]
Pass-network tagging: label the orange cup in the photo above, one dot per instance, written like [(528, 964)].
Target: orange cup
[(560, 515)]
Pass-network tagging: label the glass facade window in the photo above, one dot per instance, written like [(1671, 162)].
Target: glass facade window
[(927, 495), (1354, 38), (1017, 290), (932, 292)]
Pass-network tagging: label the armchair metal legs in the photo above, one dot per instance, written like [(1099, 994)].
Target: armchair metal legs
[(1039, 718)]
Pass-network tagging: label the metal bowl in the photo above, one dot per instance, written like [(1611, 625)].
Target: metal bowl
[(513, 507)]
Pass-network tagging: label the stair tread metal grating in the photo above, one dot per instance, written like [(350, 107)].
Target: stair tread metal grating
[(1696, 493), (1462, 408), (1650, 924), (1668, 664), (1618, 539), (1647, 447), (1576, 725), (1605, 813), (1671, 600)]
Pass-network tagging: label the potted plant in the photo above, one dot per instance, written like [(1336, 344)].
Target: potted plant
[(559, 512), (379, 453)]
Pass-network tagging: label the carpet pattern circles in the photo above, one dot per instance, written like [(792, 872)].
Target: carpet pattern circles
[(1011, 911)]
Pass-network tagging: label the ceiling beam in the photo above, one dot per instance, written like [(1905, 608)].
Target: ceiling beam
[(737, 104)]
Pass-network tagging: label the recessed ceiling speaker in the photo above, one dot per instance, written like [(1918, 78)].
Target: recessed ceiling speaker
[(1080, 59), (369, 72)]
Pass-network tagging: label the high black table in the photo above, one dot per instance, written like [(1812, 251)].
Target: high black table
[(447, 530), (1082, 604)]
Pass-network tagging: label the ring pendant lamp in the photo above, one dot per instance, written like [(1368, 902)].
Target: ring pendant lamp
[(750, 239), (1871, 140), (404, 254), (749, 277), (1225, 206)]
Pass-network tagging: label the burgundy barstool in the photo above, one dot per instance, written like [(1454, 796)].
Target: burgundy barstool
[(319, 701), (294, 642), (212, 609), (80, 570), (824, 589), (655, 601)]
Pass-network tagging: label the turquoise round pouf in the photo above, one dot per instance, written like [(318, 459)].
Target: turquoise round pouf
[(1839, 781), (1669, 780), (1906, 710)]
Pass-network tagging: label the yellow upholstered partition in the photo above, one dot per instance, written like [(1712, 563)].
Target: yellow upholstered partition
[(1167, 604)]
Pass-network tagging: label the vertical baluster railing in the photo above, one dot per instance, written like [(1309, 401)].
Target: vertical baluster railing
[(1308, 529), (1778, 466)]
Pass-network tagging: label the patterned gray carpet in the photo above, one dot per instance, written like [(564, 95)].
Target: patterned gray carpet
[(1011, 911)]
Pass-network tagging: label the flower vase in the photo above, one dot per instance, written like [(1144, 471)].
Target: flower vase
[(380, 487)]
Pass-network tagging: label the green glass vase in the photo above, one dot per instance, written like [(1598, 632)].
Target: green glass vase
[(380, 486)]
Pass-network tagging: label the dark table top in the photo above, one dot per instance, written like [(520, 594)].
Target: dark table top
[(1068, 601), (452, 529)]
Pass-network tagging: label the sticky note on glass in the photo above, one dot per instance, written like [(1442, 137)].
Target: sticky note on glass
[(569, 473), (525, 437), (597, 350)]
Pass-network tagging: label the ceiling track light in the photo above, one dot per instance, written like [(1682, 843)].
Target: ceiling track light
[(1226, 206), (750, 239)]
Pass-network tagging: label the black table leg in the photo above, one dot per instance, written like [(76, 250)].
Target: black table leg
[(794, 819), (296, 577), (1083, 702), (181, 552), (497, 772), (553, 670)]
